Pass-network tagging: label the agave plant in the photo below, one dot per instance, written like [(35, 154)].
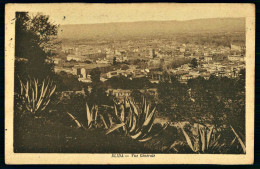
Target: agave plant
[(36, 96), (107, 118), (200, 139), (79, 125), (137, 123), (242, 144), (91, 120), (92, 115)]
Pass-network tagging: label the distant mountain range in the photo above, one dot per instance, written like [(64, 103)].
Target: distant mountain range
[(150, 28)]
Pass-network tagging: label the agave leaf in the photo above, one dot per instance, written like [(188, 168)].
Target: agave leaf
[(187, 139), (110, 120), (39, 103), (130, 119), (28, 108), (133, 107), (115, 127), (122, 115), (27, 89), (147, 111), (142, 116), (117, 119), (115, 102), (215, 143), (51, 82), (135, 136), (232, 142), (103, 120), (88, 114), (202, 137), (123, 118), (173, 147), (145, 139), (54, 88), (22, 86), (151, 125), (36, 90), (28, 96), (42, 89), (46, 88), (209, 136), (144, 106), (75, 120), (33, 99), (45, 104), (96, 112), (116, 113), (149, 119), (125, 102), (134, 123), (239, 139), (147, 129)]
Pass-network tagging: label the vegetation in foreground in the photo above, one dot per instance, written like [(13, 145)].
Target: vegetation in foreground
[(206, 115)]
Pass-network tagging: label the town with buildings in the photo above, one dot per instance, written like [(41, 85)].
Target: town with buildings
[(154, 59)]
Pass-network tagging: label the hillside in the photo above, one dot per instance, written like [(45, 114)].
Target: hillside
[(150, 28)]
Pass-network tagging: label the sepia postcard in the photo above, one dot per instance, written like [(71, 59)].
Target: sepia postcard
[(137, 83)]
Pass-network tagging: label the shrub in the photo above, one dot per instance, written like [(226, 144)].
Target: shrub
[(91, 118), (137, 123), (200, 139), (35, 96)]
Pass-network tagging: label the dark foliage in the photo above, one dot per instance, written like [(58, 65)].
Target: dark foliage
[(33, 47), (217, 101), (194, 63), (68, 82), (174, 99), (95, 75), (49, 136), (122, 82)]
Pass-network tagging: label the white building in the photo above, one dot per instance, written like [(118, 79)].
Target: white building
[(235, 47), (208, 58), (236, 58), (182, 50), (76, 58)]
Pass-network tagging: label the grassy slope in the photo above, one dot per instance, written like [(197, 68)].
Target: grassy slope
[(41, 136)]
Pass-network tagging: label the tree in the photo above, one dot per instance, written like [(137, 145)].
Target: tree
[(114, 60), (153, 53), (95, 75), (173, 99), (45, 31), (98, 95), (68, 82), (33, 43), (241, 80), (194, 63), (206, 107), (136, 95)]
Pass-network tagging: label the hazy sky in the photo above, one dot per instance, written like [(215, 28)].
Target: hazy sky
[(104, 13)]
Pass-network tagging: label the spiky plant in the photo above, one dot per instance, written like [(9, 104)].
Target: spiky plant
[(91, 120), (92, 116), (241, 143), (200, 139), (79, 125), (36, 96), (138, 123)]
